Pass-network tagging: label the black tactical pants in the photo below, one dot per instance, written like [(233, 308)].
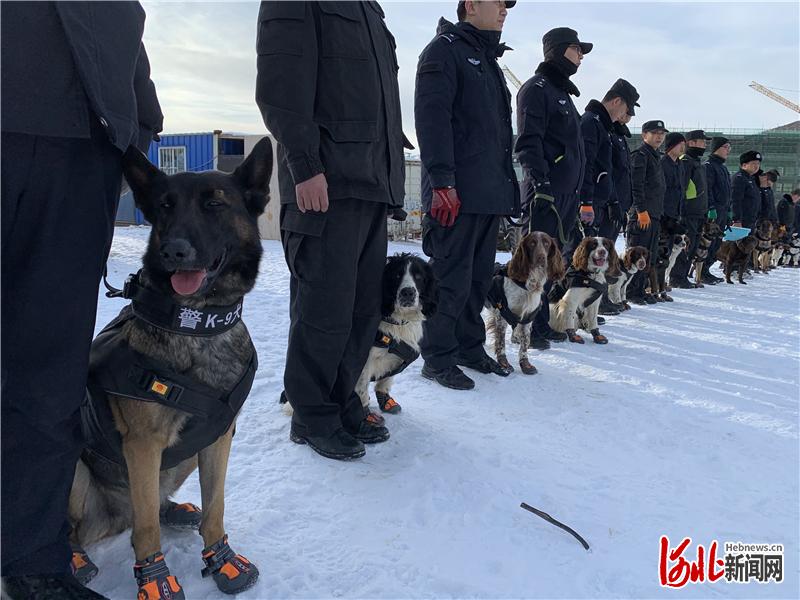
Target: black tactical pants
[(59, 199), (336, 260), (462, 258), (544, 219)]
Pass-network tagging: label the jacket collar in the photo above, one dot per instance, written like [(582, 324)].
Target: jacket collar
[(477, 38), (557, 78), (596, 107)]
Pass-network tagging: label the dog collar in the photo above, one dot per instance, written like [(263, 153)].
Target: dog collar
[(393, 321), (162, 312)]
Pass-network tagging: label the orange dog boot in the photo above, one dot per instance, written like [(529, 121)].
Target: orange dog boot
[(598, 337), (232, 572), (154, 580), (572, 336), (82, 566), (387, 403)]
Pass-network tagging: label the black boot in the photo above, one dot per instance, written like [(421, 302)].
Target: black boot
[(370, 432), (537, 342), (682, 284), (340, 445), (554, 336), (486, 364), (450, 377), (46, 587)]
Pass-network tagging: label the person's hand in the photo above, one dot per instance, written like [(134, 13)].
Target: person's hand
[(445, 205), (644, 219), (587, 214), (737, 223), (312, 194), (712, 214)]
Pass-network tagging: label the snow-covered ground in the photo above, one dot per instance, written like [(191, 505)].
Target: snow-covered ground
[(685, 424)]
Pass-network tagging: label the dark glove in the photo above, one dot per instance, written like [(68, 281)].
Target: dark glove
[(397, 214), (615, 215), (445, 205)]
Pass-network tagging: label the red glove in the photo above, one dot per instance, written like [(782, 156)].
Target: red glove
[(445, 205)]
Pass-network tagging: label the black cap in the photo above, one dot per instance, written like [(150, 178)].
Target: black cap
[(627, 92), (697, 134), (672, 140), (563, 36), (749, 156), (718, 142), (461, 11), (654, 126)]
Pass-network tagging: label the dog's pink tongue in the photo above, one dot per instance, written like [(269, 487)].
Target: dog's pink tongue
[(187, 283)]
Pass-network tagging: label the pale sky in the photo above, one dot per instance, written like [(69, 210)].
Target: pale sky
[(691, 61)]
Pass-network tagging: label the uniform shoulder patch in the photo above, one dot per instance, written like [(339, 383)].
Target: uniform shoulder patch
[(447, 36), (539, 83)]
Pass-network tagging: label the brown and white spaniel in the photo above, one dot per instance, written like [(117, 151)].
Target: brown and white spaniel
[(634, 260), (575, 302), (516, 292)]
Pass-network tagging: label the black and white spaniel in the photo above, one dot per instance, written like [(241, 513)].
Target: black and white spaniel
[(410, 295), (634, 260), (575, 301), (515, 295)]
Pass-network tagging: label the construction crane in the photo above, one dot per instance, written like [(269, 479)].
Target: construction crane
[(513, 78), (777, 97)]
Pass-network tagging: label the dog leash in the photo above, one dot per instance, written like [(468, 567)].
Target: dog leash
[(555, 522)]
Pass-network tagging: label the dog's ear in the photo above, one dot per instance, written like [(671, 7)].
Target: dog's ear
[(429, 294), (555, 262), (519, 267), (143, 177), (254, 175), (627, 258), (580, 258), (613, 257)]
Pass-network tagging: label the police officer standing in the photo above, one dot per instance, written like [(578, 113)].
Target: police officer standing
[(745, 195), (77, 95), (550, 149), (695, 207), (620, 202), (327, 89), (644, 218), (674, 198), (718, 180), (462, 110)]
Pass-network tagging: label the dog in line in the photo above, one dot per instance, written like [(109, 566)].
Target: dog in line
[(680, 242), (410, 295), (764, 243), (710, 232), (634, 259), (736, 255), (575, 301), (168, 376), (516, 294)]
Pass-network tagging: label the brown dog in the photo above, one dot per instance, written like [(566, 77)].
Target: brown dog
[(761, 255), (169, 375), (516, 294), (735, 255)]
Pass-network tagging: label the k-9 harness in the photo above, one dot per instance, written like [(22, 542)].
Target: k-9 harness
[(403, 350), (116, 368), (578, 279), (497, 298)]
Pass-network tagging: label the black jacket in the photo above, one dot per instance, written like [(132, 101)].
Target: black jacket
[(596, 129), (696, 191), (63, 61), (549, 143), (768, 209), (745, 198), (785, 211), (675, 187), (327, 90), (621, 163), (647, 181), (462, 110), (718, 180)]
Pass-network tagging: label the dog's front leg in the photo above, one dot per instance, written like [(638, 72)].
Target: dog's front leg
[(362, 385), (232, 572), (383, 391), (500, 339), (143, 458), (524, 333), (728, 271)]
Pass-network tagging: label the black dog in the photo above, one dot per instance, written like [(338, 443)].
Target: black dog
[(736, 255)]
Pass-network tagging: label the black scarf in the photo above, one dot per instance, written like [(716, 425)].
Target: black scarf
[(597, 108), (622, 129), (554, 73), (695, 153)]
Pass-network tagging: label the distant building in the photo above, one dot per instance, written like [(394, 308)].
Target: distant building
[(780, 148)]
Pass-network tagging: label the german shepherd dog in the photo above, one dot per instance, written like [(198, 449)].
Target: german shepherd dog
[(203, 256), (710, 232), (762, 253)]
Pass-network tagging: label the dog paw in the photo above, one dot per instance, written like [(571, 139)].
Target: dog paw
[(574, 337), (502, 360), (527, 368)]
